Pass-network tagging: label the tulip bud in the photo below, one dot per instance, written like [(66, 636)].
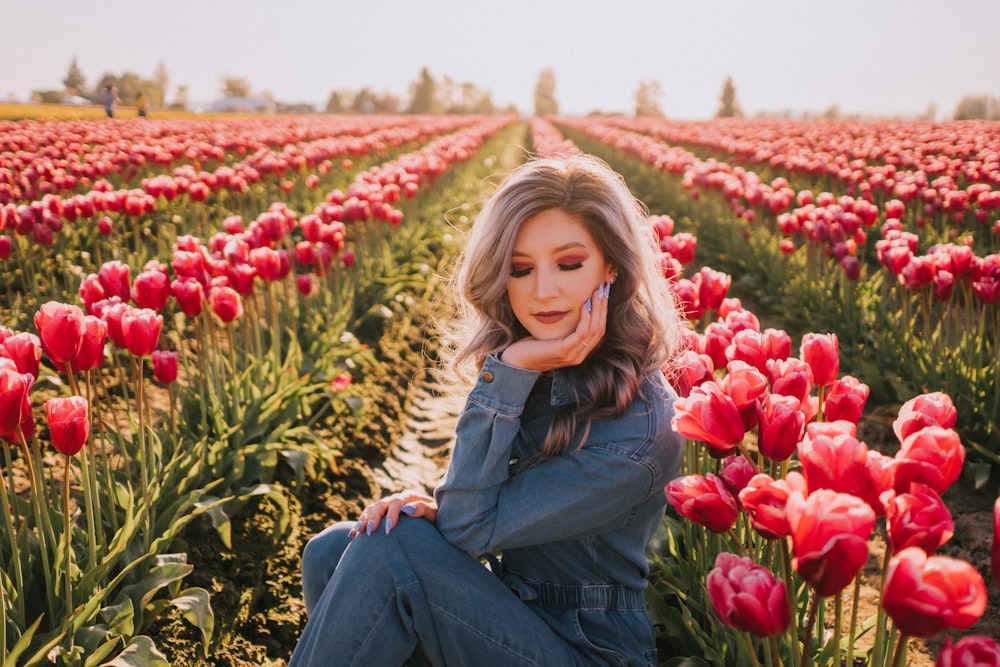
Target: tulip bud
[(69, 423), (746, 596), (164, 366)]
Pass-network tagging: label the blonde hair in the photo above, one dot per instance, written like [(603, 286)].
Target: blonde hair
[(644, 327)]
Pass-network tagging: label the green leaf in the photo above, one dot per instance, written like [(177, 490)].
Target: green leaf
[(140, 652), (196, 607)]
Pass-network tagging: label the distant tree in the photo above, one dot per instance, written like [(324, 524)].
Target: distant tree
[(386, 103), (729, 106), (74, 82), (978, 107), (129, 85), (647, 99), (235, 87), (159, 85), (545, 93), (832, 112), (107, 79), (181, 98), (335, 102), (422, 93), (364, 101)]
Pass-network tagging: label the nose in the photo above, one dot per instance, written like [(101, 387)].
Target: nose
[(546, 284)]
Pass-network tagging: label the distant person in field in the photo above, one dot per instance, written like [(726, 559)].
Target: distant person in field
[(110, 99), (141, 104), (561, 454)]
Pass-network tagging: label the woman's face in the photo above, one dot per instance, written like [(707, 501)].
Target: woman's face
[(555, 268)]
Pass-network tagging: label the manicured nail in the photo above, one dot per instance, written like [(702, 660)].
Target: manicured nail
[(588, 305), (388, 526), (408, 510), (605, 290), (371, 527)]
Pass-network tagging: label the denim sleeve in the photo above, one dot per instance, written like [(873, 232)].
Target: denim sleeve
[(483, 508)]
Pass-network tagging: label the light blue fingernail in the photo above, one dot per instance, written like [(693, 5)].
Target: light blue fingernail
[(371, 526), (588, 305), (408, 510), (605, 290), (388, 526)]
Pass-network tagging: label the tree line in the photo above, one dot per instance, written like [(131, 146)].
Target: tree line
[(427, 94)]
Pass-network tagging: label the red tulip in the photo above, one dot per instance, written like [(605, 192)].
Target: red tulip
[(304, 284), (690, 370), (190, 264), (151, 289), (830, 534), (917, 519), (709, 415), (681, 246), (712, 288), (226, 303), (92, 347), (932, 456), (91, 291), (111, 311), (69, 423), (141, 330), (746, 596), (717, 338), (833, 458), (189, 295), (846, 400), (746, 386), (60, 329), (969, 651), (790, 377), (25, 349), (822, 353), (780, 426), (241, 278), (704, 500), (764, 500), (115, 277), (933, 409), (164, 366), (736, 472), (5, 248), (266, 262), (15, 402), (925, 595)]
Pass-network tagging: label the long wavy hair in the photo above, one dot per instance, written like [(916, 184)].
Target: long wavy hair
[(644, 327)]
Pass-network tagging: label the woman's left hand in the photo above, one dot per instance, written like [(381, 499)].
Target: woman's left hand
[(387, 511)]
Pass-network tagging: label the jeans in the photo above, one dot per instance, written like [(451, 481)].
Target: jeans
[(376, 600)]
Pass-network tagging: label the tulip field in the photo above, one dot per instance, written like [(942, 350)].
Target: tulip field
[(212, 330)]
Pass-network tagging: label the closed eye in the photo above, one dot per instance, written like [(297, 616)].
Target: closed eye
[(571, 267), (520, 273)]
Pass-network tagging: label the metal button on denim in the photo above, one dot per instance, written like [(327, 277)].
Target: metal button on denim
[(487, 377)]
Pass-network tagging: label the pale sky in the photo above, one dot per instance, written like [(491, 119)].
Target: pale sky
[(872, 57)]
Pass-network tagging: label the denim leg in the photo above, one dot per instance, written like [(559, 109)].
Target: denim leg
[(320, 558), (391, 594)]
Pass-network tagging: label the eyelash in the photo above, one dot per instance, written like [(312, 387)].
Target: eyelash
[(521, 273)]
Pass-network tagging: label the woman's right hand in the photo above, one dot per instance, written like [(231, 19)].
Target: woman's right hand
[(386, 512)]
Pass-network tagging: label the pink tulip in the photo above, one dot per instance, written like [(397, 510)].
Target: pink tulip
[(932, 456), (703, 500), (830, 534), (917, 519), (115, 278), (764, 500), (25, 349), (15, 402), (736, 472), (95, 337), (151, 289), (746, 386), (709, 415), (746, 596), (845, 400), (780, 426), (969, 651), (822, 353), (925, 595), (933, 409), (790, 377)]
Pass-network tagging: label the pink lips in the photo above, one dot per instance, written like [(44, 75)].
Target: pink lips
[(550, 317)]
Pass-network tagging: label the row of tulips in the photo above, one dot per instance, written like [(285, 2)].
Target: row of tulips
[(932, 317), (781, 498), (946, 175), (136, 482)]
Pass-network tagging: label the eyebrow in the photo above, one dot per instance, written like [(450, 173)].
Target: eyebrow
[(565, 246)]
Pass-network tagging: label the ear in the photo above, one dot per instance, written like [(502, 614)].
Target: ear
[(612, 276)]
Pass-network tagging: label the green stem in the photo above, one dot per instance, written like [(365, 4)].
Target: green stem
[(810, 624), (10, 523), (838, 621), (854, 621), (750, 649), (899, 657), (773, 640), (68, 540), (878, 650)]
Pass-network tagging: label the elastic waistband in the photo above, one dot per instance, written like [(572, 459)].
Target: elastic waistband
[(603, 597)]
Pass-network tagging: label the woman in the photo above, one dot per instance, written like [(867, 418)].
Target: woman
[(560, 460)]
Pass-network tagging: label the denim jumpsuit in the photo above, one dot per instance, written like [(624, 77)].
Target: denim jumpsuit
[(572, 530)]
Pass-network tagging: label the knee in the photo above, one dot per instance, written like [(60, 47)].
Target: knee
[(320, 558)]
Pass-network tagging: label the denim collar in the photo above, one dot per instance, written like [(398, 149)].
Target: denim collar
[(566, 386)]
